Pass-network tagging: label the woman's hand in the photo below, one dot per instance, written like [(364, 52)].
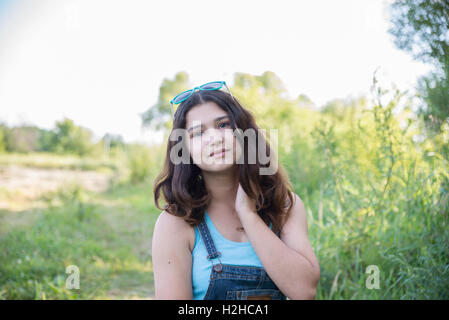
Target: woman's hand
[(243, 203)]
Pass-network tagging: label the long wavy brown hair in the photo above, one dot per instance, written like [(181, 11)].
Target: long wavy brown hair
[(184, 190)]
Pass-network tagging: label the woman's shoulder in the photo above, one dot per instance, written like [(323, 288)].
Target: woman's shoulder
[(175, 228)]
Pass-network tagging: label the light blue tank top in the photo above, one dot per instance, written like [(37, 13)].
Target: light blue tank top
[(234, 253)]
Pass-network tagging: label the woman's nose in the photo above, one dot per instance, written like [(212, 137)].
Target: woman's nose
[(213, 135)]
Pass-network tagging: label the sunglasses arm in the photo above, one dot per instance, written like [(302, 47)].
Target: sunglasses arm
[(229, 90), (172, 112)]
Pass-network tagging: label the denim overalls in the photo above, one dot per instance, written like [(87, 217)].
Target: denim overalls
[(234, 282)]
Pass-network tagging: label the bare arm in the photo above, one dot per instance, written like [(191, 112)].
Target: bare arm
[(290, 261), (172, 259)]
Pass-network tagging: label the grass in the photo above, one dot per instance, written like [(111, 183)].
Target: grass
[(385, 204), (108, 236)]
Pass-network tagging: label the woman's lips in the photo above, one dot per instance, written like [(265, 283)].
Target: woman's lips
[(218, 152)]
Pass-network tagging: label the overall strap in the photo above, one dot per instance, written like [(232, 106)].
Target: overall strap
[(207, 239)]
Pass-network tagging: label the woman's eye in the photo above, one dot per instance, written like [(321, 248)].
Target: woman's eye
[(221, 125)]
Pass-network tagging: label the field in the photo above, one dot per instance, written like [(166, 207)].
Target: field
[(375, 186), (65, 217)]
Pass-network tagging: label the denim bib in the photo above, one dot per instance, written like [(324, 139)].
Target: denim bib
[(236, 282)]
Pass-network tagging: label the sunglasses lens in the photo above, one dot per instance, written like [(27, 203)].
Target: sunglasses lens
[(211, 86), (182, 96)]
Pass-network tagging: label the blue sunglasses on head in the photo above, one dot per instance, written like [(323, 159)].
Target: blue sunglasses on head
[(214, 85)]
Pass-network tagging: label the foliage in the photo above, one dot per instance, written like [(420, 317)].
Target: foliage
[(421, 28), (381, 204), (159, 115), (70, 138), (65, 138), (143, 161), (113, 142)]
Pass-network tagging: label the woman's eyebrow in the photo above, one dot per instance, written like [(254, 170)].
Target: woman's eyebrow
[(215, 120)]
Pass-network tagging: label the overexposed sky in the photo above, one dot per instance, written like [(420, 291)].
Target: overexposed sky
[(101, 62)]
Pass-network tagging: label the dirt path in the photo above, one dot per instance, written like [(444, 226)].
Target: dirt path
[(20, 187)]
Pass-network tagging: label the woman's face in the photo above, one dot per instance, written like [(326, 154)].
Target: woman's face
[(209, 131)]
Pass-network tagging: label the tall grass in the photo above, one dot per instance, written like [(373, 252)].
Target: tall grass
[(382, 200)]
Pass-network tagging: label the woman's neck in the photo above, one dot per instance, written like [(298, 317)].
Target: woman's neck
[(222, 186)]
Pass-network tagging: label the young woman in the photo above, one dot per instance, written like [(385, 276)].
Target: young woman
[(227, 231)]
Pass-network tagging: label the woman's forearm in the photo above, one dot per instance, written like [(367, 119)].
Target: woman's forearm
[(294, 275)]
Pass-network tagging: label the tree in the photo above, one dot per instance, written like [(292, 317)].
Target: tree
[(48, 140), (72, 139), (26, 139), (421, 28), (23, 138), (159, 115), (112, 141)]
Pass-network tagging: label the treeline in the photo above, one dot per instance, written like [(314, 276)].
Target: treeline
[(65, 138)]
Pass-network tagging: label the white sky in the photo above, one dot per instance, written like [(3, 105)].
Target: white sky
[(101, 62)]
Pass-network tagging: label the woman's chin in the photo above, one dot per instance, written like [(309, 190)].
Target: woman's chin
[(218, 165)]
